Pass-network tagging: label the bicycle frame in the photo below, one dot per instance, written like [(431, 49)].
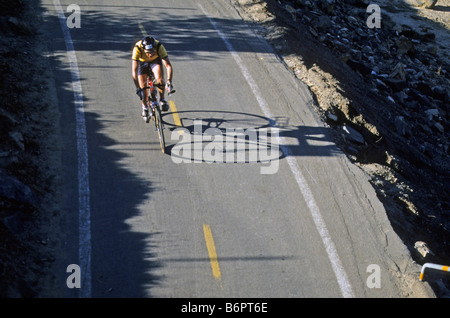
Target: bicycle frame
[(152, 101)]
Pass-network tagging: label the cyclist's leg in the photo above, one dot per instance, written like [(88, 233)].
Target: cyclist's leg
[(158, 73), (157, 70), (143, 71), (144, 97)]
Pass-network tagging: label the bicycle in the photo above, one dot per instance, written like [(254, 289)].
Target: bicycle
[(155, 113)]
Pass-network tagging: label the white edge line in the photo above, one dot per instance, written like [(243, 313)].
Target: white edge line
[(83, 170), (319, 222)]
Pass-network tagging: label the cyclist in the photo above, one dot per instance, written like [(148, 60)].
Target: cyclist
[(148, 56)]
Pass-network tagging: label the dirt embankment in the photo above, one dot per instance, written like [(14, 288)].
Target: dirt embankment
[(385, 91), (29, 153)]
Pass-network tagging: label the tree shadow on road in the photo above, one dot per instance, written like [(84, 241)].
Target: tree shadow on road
[(121, 259)]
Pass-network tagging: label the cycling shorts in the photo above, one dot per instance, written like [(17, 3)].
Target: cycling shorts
[(146, 67)]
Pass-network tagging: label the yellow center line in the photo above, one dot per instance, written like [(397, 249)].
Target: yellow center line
[(176, 117), (212, 252), (144, 33)]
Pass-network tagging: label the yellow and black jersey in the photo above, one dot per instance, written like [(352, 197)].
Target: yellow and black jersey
[(139, 54)]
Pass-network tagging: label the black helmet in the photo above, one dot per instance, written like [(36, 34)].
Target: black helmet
[(148, 43)]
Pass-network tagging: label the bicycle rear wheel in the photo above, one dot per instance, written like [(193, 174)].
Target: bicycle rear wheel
[(160, 128)]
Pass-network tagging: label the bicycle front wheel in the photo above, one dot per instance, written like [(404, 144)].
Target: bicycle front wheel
[(160, 128)]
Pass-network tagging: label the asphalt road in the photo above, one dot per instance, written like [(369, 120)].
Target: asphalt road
[(286, 216)]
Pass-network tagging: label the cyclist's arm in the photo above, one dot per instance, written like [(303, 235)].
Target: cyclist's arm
[(134, 71), (169, 69), (165, 58)]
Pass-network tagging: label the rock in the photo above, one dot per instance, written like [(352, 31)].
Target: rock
[(292, 11), (402, 126), (353, 135), (398, 72), (401, 97), (426, 129), (439, 127), (432, 113), (322, 23), (13, 189), (7, 158), (422, 249), (440, 93), (332, 117), (397, 85), (15, 223), (352, 150), (424, 88), (19, 27), (404, 45), (429, 4), (426, 59), (432, 50), (17, 137), (414, 35), (380, 84), (358, 3), (304, 3), (419, 97), (7, 119), (360, 67), (327, 6)]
